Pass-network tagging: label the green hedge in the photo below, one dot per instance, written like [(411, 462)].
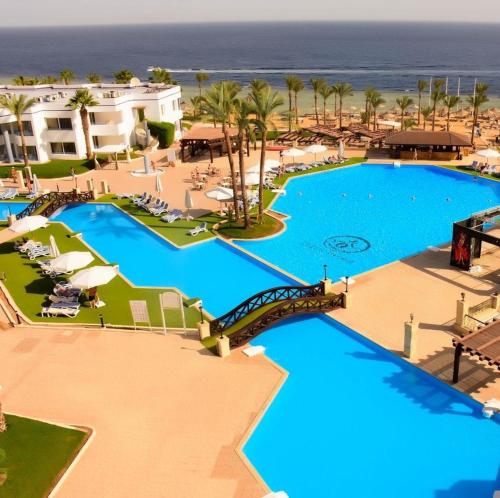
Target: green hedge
[(163, 131)]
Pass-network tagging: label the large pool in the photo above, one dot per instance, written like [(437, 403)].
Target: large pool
[(214, 271), (358, 218), (354, 421)]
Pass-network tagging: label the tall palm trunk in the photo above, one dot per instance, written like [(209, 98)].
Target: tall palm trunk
[(340, 112), (84, 116), (324, 112), (448, 119), (434, 107), (475, 113), (374, 119), (402, 120), (261, 174), (335, 106), (20, 127), (229, 148), (419, 107), (316, 107), (241, 157), (289, 110), (296, 109)]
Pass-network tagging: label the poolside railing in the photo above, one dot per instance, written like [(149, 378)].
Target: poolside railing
[(53, 201)]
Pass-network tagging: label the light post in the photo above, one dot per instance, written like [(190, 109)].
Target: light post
[(346, 284), (201, 312), (325, 268)]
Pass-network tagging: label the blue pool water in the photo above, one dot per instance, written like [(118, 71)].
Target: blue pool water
[(214, 271), (354, 421), (7, 208), (358, 218)]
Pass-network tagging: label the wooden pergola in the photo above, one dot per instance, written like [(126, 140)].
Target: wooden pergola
[(312, 135), (483, 343), (200, 139)]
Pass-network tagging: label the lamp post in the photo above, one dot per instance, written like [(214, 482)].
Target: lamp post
[(325, 267), (346, 284), (201, 312)]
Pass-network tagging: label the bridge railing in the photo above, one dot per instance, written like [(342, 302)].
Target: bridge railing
[(256, 301), (53, 201), (312, 304)]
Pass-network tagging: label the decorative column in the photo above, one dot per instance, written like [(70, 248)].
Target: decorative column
[(223, 347), (8, 146), (462, 311), (20, 180), (410, 339)]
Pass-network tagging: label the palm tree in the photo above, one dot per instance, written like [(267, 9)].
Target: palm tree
[(426, 113), (219, 103), (343, 90), (437, 95), (201, 78), (298, 86), (123, 76), (48, 80), (17, 105), (19, 80), (161, 75), (476, 101), (404, 103), (290, 82), (258, 85), (422, 86), (242, 112), (325, 91), (265, 104), (93, 78), (67, 76), (450, 101), (81, 101), (317, 84), (370, 93), (376, 101), (335, 88)]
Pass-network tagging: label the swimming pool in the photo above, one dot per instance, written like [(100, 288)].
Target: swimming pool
[(359, 218), (354, 421), (7, 208), (214, 271)]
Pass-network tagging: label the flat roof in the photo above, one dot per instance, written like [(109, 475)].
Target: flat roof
[(206, 133), (442, 138)]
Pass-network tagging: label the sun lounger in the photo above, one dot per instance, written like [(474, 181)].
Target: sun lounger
[(175, 215), (38, 252), (197, 230), (144, 202), (163, 208), (11, 194), (60, 311), (139, 198), (158, 205), (63, 299), (26, 246), (65, 290), (125, 196)]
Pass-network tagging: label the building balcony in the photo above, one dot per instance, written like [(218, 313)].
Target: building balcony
[(108, 129)]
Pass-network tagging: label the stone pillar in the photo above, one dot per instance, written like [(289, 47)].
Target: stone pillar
[(495, 301), (347, 299), (223, 348), (90, 185), (8, 146), (20, 179), (204, 329), (462, 310), (11, 218), (410, 340), (327, 286), (105, 187), (127, 151)]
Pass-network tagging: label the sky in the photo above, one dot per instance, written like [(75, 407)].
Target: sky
[(88, 12)]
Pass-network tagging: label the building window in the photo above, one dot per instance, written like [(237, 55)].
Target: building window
[(162, 110), (3, 152), (32, 153), (59, 123), (63, 148), (28, 129)]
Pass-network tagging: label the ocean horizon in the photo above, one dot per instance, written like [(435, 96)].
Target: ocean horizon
[(391, 56)]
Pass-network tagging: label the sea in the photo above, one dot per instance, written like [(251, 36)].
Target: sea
[(389, 56)]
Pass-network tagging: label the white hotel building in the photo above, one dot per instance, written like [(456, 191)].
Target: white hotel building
[(54, 131)]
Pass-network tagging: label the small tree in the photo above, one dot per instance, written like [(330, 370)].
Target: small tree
[(67, 76), (326, 92), (123, 76), (93, 78), (343, 90), (160, 75), (317, 84), (298, 86), (426, 114), (376, 101), (437, 95), (476, 101), (404, 103), (422, 86), (201, 78), (450, 101)]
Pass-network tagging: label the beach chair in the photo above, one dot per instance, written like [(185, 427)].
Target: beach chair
[(197, 230), (60, 311), (31, 195), (12, 194), (151, 204), (162, 209), (125, 196), (38, 252), (63, 299), (145, 201), (27, 245), (157, 205), (139, 198), (175, 215)]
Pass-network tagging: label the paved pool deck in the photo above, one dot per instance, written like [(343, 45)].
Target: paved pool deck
[(427, 286)]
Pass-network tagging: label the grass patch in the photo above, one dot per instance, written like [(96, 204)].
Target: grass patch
[(468, 171), (36, 455), (270, 196), (57, 168), (176, 232), (236, 230), (29, 288)]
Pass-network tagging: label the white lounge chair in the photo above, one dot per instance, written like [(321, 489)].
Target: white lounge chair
[(175, 215), (38, 252), (12, 194), (60, 311), (199, 229)]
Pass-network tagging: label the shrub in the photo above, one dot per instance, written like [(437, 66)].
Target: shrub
[(163, 131)]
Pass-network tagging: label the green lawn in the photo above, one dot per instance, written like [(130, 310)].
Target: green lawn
[(36, 455), (269, 196), (463, 169), (235, 230), (29, 288), (53, 169), (176, 232)]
